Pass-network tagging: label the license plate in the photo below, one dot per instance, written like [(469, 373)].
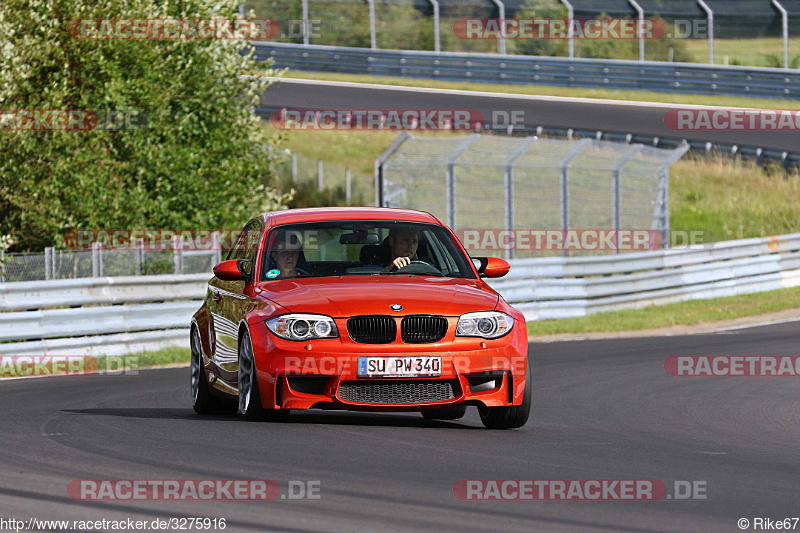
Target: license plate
[(392, 367)]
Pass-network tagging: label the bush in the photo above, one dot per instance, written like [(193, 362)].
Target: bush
[(199, 160)]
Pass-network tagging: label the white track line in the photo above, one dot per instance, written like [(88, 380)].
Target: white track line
[(532, 97)]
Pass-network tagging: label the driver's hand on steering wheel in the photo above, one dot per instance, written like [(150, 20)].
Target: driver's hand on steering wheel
[(399, 262)]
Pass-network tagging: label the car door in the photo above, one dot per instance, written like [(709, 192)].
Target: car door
[(229, 302)]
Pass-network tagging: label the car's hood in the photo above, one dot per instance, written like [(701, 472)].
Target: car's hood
[(372, 295)]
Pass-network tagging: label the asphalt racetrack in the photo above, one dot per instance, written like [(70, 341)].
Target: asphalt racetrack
[(642, 118), (601, 410)]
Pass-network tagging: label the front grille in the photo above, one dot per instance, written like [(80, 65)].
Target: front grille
[(377, 329), (417, 329), (398, 392)]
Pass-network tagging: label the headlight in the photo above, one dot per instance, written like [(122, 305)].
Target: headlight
[(302, 327), (486, 324)]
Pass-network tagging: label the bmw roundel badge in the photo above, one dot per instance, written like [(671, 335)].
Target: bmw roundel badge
[(396, 307)]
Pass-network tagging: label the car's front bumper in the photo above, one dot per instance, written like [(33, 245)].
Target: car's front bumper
[(323, 373)]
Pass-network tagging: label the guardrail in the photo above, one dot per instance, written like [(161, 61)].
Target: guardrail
[(537, 70), (129, 314), (110, 316), (563, 287)]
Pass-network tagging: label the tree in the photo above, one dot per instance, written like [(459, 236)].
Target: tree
[(192, 155)]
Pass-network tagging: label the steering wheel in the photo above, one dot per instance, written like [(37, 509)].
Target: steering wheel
[(420, 264)]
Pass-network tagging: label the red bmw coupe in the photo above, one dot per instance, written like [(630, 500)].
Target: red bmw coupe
[(370, 309)]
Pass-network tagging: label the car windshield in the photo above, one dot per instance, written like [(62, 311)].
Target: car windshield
[(349, 247)]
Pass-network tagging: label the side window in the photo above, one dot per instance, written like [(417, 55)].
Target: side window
[(247, 242)]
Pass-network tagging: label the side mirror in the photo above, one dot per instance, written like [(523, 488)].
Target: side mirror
[(233, 269), (492, 267)]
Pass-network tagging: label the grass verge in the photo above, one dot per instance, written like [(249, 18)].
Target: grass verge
[(20, 366), (543, 90), (687, 313)]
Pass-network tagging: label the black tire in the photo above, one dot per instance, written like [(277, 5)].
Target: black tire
[(446, 413), (511, 417), (249, 396), (203, 402)]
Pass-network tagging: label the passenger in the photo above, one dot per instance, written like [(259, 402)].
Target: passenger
[(286, 254), (403, 245)]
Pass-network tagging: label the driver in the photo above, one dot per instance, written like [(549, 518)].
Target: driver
[(403, 245)]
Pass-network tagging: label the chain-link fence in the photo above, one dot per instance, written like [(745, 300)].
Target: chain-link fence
[(748, 32), (349, 186), (512, 184)]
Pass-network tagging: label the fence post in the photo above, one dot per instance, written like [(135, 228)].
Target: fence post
[(381, 159), (436, 39), (305, 22), (48, 263), (177, 254), (785, 31), (2, 265), (139, 257), (450, 192), (521, 148), (294, 167), (347, 187), (372, 40), (710, 15), (615, 187), (216, 246), (640, 28), (97, 259), (501, 43), (570, 16), (319, 175)]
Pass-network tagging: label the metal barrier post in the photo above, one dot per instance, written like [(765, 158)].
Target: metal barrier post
[(710, 15), (640, 29), (319, 174), (294, 167), (2, 265), (785, 24)]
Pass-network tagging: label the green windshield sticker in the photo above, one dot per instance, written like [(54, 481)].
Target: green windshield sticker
[(274, 273)]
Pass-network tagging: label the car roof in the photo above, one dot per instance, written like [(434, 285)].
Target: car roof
[(316, 214)]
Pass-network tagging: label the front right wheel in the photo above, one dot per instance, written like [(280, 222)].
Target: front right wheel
[(511, 417), (249, 396)]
